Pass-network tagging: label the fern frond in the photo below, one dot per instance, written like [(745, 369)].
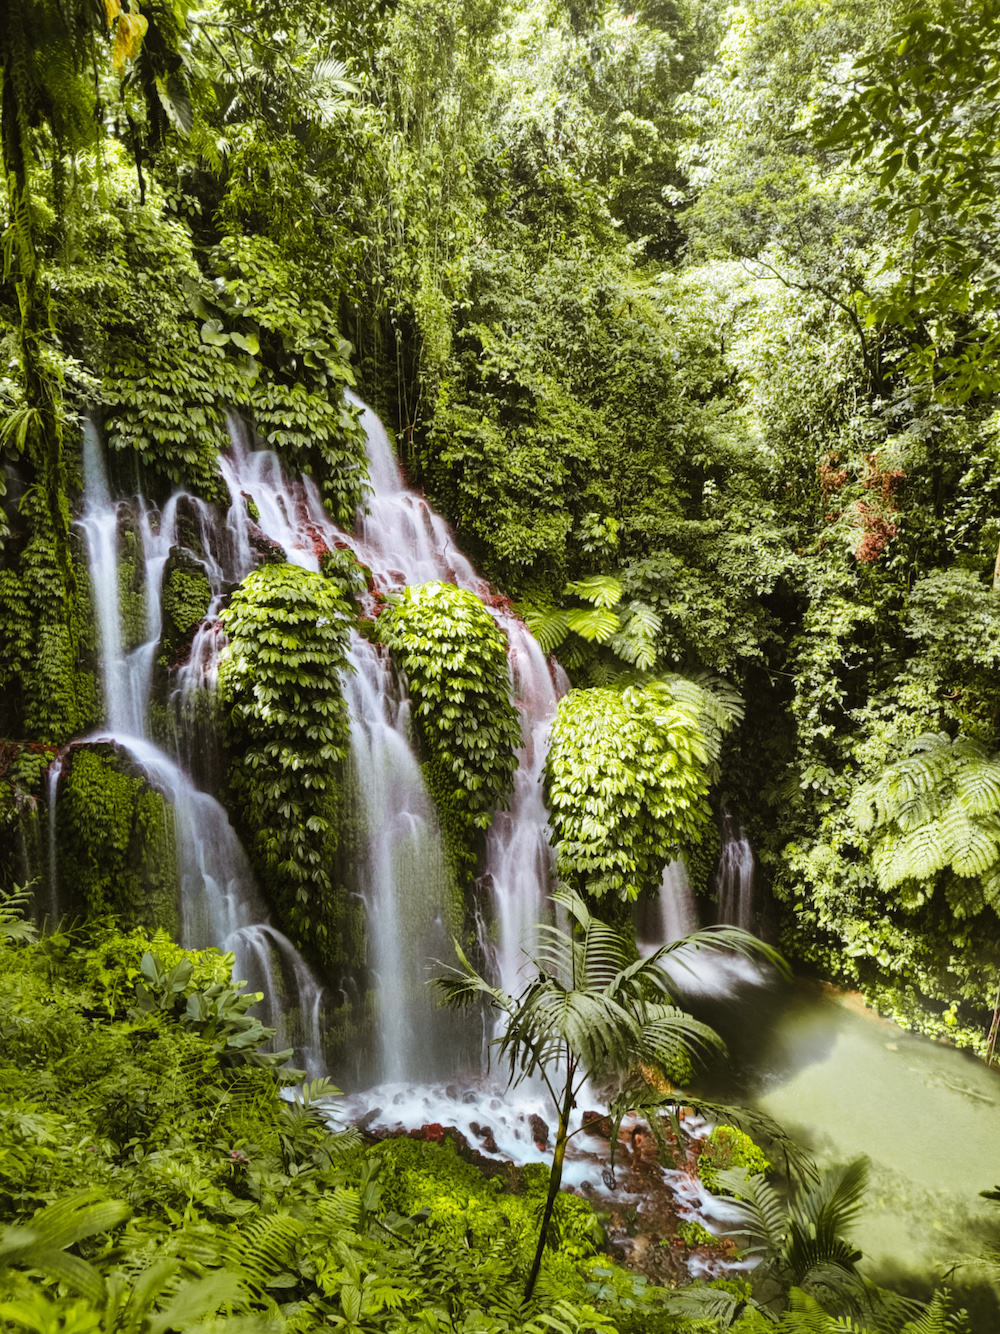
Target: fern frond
[(601, 590), (595, 626), (758, 1211), (922, 853), (265, 1247), (549, 627), (977, 785)]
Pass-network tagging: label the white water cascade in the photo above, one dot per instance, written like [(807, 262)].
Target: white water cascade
[(403, 541), (52, 776), (220, 901), (402, 878), (674, 913), (734, 876)]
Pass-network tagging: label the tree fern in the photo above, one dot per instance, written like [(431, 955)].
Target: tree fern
[(936, 810), (601, 590)]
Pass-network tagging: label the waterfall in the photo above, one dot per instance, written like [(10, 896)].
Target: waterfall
[(403, 541), (402, 878), (672, 915), (519, 856), (221, 903), (52, 776), (734, 876)]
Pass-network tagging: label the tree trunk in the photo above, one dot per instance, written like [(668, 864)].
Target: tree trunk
[(555, 1180)]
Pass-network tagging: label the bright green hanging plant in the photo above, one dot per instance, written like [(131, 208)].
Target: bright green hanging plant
[(288, 633), (627, 786), (455, 659)]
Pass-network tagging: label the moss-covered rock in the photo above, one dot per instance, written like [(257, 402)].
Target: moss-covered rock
[(726, 1148), (115, 837)]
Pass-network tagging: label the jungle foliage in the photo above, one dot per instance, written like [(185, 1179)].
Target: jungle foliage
[(153, 1177), (454, 655), (683, 314)]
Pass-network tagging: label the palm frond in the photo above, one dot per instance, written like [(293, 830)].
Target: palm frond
[(758, 1213), (722, 938)]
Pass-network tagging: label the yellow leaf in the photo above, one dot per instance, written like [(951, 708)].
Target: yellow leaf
[(112, 8), (128, 38)]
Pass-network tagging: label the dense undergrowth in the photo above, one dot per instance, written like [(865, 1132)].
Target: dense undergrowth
[(163, 1170)]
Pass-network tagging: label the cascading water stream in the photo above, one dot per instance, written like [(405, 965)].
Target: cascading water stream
[(52, 776), (734, 876), (403, 879), (220, 902), (518, 851)]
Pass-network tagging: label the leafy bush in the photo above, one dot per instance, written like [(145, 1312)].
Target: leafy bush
[(627, 787), (726, 1148), (288, 633), (455, 659)]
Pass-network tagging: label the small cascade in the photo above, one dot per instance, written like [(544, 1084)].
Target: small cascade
[(673, 914), (403, 879), (401, 539), (52, 776), (734, 876), (519, 856), (220, 901)]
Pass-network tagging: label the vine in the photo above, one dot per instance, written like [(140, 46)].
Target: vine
[(288, 633), (455, 659)]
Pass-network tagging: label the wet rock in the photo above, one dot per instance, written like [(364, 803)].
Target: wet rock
[(451, 1092), (368, 1118), (267, 551), (539, 1130), (469, 1095), (485, 1133), (595, 1123)]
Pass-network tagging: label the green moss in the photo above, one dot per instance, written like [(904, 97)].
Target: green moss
[(115, 836), (726, 1148), (472, 1209), (692, 1233), (131, 587), (186, 595)]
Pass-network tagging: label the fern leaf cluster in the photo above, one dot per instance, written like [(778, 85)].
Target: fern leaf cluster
[(937, 810)]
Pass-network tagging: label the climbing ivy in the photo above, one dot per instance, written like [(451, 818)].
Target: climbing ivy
[(455, 659), (627, 786), (288, 633)]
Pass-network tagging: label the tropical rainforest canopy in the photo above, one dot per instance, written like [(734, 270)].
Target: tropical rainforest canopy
[(685, 315)]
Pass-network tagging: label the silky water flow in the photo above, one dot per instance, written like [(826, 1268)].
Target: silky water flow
[(221, 903)]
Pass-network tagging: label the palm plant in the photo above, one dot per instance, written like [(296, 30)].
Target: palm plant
[(591, 1009)]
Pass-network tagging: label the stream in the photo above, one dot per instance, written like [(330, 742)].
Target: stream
[(844, 1082)]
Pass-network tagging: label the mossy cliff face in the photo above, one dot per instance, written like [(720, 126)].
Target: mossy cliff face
[(115, 841)]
